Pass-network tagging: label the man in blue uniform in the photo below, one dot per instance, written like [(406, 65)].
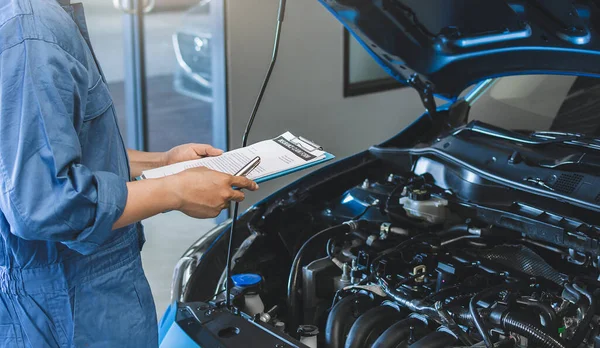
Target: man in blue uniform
[(70, 238)]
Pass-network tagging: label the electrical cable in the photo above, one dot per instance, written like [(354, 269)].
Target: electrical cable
[(477, 319), (280, 16), (295, 277), (396, 189)]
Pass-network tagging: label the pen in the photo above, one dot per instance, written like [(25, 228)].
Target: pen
[(248, 167)]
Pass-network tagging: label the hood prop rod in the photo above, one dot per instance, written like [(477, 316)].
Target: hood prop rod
[(261, 93)]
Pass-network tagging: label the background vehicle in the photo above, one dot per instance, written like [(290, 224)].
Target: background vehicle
[(192, 45)]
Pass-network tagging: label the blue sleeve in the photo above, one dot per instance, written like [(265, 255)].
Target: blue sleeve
[(47, 194)]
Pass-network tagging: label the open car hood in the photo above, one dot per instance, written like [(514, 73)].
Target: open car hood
[(441, 47)]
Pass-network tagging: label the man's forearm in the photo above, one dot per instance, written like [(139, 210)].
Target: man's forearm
[(140, 161), (147, 198)]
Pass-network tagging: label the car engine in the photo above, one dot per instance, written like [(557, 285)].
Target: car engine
[(401, 261)]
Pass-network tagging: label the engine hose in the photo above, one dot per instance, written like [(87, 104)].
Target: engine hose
[(454, 231), (367, 328), (342, 317), (550, 318), (376, 243), (294, 277), (583, 327), (438, 339), (537, 336), (464, 317), (477, 320), (414, 305), (400, 332), (510, 323)]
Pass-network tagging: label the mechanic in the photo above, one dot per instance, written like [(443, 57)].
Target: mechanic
[(70, 268)]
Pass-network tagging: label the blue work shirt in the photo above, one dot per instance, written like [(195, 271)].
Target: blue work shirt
[(66, 277)]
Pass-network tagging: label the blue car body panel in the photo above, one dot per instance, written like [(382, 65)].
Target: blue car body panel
[(450, 45)]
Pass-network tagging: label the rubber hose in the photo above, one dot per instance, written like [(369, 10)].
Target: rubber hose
[(377, 244), (537, 336), (464, 317), (342, 317), (551, 323), (508, 322), (400, 332), (369, 326), (583, 327), (438, 339), (455, 231), (294, 277), (477, 320)]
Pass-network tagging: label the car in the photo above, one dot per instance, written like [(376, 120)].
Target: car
[(455, 232), (192, 45)]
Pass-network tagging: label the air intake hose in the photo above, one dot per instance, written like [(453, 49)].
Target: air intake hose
[(510, 323), (438, 339), (370, 325), (342, 317), (400, 332)]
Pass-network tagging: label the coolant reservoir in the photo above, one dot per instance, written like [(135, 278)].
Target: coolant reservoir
[(250, 283), (308, 335), (421, 205)]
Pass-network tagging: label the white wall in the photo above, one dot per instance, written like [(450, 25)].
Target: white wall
[(305, 92)]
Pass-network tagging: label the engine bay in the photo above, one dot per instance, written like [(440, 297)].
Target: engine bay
[(425, 255)]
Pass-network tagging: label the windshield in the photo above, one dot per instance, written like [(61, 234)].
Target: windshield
[(542, 103)]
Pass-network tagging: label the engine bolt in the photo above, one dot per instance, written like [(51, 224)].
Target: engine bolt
[(366, 184), (411, 335)]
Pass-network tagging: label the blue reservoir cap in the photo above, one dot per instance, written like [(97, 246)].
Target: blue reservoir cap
[(246, 279)]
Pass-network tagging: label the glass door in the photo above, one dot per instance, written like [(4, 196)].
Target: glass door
[(175, 67), (165, 65)]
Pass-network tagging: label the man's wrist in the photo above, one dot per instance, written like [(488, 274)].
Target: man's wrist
[(171, 192)]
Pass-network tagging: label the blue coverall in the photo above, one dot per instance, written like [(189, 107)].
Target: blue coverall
[(66, 278)]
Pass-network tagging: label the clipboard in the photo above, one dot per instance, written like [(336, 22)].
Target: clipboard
[(279, 156)]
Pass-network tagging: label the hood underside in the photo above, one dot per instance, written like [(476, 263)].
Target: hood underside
[(448, 45)]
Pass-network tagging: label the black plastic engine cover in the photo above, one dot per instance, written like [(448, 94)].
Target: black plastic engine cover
[(209, 326)]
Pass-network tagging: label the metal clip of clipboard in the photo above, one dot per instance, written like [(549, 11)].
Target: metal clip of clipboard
[(306, 144)]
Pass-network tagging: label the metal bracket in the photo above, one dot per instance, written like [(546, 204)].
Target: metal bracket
[(425, 91)]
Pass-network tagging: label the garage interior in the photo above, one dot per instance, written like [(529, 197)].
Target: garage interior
[(294, 99)]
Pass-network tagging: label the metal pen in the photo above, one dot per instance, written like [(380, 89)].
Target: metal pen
[(248, 167)]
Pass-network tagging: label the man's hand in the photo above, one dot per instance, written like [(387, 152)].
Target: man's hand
[(204, 193), (189, 152), (197, 192)]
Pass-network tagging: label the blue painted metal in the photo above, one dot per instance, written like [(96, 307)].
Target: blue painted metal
[(170, 334), (167, 320), (453, 44)]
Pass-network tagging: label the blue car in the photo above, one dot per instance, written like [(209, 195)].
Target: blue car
[(454, 232)]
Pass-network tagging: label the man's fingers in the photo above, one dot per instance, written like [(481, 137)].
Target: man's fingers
[(237, 196), (204, 150), (243, 182)]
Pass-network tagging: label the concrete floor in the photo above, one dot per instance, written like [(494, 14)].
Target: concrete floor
[(167, 237)]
